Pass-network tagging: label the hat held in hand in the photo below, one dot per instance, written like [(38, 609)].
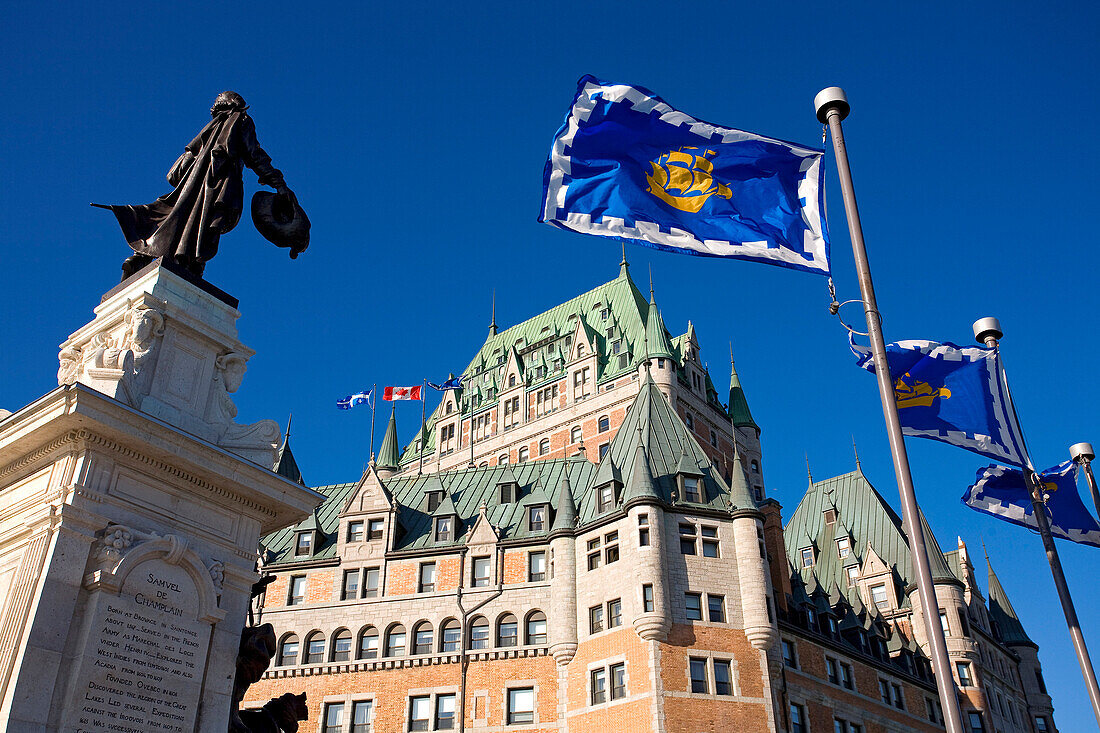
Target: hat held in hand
[(281, 221)]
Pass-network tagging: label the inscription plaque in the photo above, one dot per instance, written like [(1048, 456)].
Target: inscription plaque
[(145, 655)]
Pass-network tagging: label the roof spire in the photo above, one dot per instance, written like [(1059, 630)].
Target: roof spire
[(388, 456), (285, 465), (289, 418), (808, 474), (651, 282), (856, 451), (739, 412), (493, 325), (624, 265)]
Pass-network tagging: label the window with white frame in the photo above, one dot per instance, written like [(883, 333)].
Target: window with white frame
[(521, 705), (879, 596), (355, 531), (691, 489), (524, 454), (807, 555), (693, 606), (333, 718), (297, 588), (546, 400), (844, 547), (544, 446), (581, 382), (362, 716), (511, 413), (427, 578), (480, 572), (536, 566)]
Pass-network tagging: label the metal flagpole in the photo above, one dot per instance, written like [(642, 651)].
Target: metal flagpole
[(832, 107), (1082, 455), (988, 331), (423, 436), (373, 400)]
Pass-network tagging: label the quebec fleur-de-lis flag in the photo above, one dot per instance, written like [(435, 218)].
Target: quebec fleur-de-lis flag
[(625, 164), (952, 394), (1003, 493)]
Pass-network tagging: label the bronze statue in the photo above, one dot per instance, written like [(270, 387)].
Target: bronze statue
[(278, 714), (185, 226)]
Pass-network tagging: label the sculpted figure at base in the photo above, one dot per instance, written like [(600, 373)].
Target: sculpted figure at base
[(186, 225), (280, 714)]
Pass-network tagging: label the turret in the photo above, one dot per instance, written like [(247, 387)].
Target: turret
[(642, 503), (388, 456), (752, 574), (563, 574), (662, 367)]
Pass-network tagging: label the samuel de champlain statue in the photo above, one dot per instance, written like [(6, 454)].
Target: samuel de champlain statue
[(184, 227)]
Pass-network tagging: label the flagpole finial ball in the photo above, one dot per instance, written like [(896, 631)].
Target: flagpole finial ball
[(987, 328), (1081, 452), (831, 98)]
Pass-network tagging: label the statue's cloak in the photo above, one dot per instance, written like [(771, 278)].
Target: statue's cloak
[(187, 223)]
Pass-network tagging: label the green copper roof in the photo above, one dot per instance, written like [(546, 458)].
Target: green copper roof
[(1004, 615), (387, 455), (656, 335), (868, 519), (739, 406), (565, 512), (285, 465)]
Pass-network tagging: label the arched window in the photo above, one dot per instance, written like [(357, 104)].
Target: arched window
[(524, 454), (511, 380), (479, 633), (604, 424), (368, 643), (575, 434), (508, 631), (536, 628), (315, 648), (341, 646), (580, 348), (544, 446), (395, 641), (450, 634), (288, 651), (483, 464), (502, 460), (422, 638)]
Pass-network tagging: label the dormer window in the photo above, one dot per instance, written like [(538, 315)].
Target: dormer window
[(853, 574), (844, 547), (691, 489), (511, 380), (507, 493), (355, 531), (536, 518), (375, 529), (444, 529), (807, 555), (304, 544), (435, 498), (605, 498)]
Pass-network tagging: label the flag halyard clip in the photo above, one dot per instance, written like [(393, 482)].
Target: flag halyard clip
[(834, 308)]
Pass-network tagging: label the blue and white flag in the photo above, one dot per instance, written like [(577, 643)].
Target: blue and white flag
[(952, 394), (1003, 492), (354, 400), (625, 164), (452, 383)]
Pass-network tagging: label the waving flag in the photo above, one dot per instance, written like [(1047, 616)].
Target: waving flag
[(1003, 492), (951, 394), (625, 164), (452, 383), (353, 400), (402, 393)]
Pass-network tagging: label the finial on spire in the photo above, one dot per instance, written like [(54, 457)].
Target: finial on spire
[(289, 418), (808, 474), (624, 263), (650, 282), (856, 451), (493, 325)]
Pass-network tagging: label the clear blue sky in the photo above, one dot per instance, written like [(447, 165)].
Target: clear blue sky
[(415, 134)]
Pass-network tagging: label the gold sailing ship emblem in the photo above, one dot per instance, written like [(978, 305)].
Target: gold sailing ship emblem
[(684, 179), (911, 392)]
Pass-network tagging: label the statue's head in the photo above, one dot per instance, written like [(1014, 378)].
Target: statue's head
[(228, 102)]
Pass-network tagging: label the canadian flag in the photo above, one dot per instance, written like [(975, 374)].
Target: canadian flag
[(402, 393)]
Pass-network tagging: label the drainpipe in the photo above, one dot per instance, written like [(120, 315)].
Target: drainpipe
[(465, 614)]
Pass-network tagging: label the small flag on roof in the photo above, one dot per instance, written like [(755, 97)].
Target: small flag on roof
[(625, 164), (353, 400), (402, 393), (452, 383), (1003, 492)]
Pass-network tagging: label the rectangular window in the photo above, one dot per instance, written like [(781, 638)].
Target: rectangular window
[(699, 675), (789, 657), (614, 613), (1040, 724), (847, 679), (593, 553), (976, 725), (355, 531), (605, 498), (536, 518), (427, 577), (840, 725), (444, 527), (603, 449), (595, 619), (832, 671), (351, 585), (304, 543), (807, 554), (521, 705), (647, 598), (420, 712), (374, 529), (480, 572), (643, 530), (598, 679), (899, 701), (884, 691), (716, 608), (370, 587), (1040, 681), (963, 670), (710, 541), (580, 384), (691, 489), (611, 547), (844, 547), (933, 709), (297, 590), (946, 627), (693, 605), (723, 677), (361, 716), (798, 718), (536, 567), (444, 712), (334, 718), (618, 681), (687, 539), (879, 597)]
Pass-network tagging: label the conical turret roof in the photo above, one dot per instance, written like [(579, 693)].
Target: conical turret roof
[(656, 336), (565, 513), (285, 465), (739, 406), (388, 455), (1004, 615)]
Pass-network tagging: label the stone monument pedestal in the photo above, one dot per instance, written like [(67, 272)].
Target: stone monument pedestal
[(131, 505)]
